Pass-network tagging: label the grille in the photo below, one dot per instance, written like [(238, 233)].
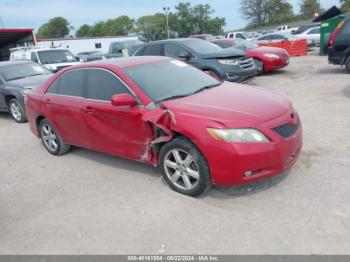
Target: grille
[(246, 63), (287, 130)]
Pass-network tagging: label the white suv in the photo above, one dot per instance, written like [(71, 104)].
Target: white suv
[(53, 59)]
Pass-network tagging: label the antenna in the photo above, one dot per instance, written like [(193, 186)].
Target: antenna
[(2, 22)]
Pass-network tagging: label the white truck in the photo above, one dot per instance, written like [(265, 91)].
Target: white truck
[(286, 29), (54, 59), (240, 35)]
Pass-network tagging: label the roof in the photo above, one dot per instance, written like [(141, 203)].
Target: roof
[(15, 62), (330, 13), (176, 40), (9, 35), (127, 61)]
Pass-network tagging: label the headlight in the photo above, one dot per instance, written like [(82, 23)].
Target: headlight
[(228, 61), (25, 91), (237, 135), (273, 56)]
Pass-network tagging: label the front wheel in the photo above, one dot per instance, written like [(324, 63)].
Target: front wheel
[(259, 66), (51, 140), (184, 167), (16, 110)]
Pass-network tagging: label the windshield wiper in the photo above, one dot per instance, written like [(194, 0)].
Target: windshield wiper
[(207, 87), (35, 75), (16, 78)]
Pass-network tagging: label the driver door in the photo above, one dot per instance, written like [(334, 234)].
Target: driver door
[(110, 129)]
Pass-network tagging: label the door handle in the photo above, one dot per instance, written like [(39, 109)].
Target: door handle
[(48, 100), (89, 110)]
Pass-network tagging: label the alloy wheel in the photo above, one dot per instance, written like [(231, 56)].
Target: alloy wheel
[(49, 138), (181, 169), (15, 111)]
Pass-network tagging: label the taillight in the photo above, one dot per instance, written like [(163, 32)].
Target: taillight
[(334, 34)]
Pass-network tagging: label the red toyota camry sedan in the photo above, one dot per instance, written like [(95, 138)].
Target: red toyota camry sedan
[(266, 59), (166, 113)]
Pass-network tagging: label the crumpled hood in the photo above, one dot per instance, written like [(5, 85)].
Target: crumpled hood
[(228, 52), (232, 104), (29, 82)]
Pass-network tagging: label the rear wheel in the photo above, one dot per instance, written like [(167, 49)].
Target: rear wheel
[(16, 110), (51, 140), (184, 167)]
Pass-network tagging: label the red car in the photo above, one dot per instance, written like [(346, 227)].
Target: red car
[(161, 111), (267, 59)]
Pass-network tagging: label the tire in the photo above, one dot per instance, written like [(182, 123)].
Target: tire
[(51, 139), (347, 64), (259, 66), (212, 74), (184, 168), (17, 111)]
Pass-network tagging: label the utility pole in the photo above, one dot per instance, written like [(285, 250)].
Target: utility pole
[(166, 10)]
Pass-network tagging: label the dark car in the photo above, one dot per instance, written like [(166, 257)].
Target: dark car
[(223, 64), (16, 79), (339, 45)]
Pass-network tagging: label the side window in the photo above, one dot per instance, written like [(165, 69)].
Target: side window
[(278, 37), (72, 83), (174, 51), (33, 57), (345, 30), (116, 48), (264, 38), (139, 51), (53, 89), (239, 35), (102, 85), (152, 50), (314, 31)]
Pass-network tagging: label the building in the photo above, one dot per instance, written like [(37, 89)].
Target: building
[(85, 44), (10, 38)]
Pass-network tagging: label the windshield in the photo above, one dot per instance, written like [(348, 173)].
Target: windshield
[(241, 43), (169, 79), (56, 56), (202, 46), (18, 71), (132, 43)]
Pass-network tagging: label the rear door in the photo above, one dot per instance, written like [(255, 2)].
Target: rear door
[(115, 130), (64, 105)]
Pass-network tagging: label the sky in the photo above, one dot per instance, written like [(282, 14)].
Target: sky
[(33, 13)]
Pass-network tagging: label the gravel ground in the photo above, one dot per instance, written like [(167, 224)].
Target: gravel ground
[(90, 203)]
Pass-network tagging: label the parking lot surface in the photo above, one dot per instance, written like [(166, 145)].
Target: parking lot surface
[(91, 203)]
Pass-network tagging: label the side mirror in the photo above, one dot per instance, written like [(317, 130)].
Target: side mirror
[(185, 55), (123, 100)]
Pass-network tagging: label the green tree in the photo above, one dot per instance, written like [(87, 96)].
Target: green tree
[(121, 25), (152, 27), (83, 31), (188, 20), (267, 12), (345, 5), (256, 11), (308, 8), (280, 11), (56, 27)]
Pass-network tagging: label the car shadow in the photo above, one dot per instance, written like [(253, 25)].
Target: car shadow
[(115, 162), (333, 70), (248, 189), (5, 115)]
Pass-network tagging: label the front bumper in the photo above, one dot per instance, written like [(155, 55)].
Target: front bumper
[(273, 64), (234, 164)]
